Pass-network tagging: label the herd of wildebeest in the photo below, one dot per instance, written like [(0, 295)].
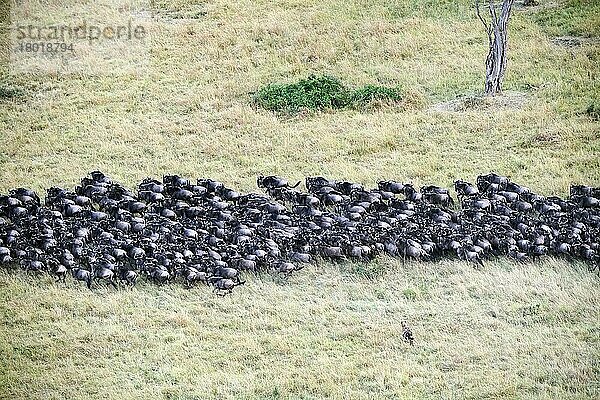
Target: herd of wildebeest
[(177, 230)]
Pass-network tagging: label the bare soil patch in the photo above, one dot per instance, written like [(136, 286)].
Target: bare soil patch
[(528, 5), (574, 41), (507, 100)]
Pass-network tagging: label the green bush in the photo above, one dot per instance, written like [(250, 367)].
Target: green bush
[(8, 91), (318, 93), (593, 111)]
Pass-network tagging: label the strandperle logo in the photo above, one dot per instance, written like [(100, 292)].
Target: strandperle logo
[(81, 32), (98, 37)]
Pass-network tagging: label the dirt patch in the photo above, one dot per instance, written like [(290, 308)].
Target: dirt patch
[(534, 6), (542, 139), (507, 100), (189, 13), (574, 41)]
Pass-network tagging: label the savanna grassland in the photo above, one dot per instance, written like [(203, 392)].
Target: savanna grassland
[(332, 330)]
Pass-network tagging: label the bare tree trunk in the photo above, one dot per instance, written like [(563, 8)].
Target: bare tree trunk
[(497, 30)]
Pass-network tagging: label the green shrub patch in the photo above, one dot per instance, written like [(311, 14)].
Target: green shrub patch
[(8, 91), (593, 111), (318, 93)]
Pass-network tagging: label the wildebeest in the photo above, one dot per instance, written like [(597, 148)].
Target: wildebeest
[(175, 230)]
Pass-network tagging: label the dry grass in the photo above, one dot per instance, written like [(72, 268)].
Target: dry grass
[(511, 331), (191, 113), (481, 102)]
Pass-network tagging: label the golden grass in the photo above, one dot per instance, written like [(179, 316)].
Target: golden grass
[(510, 331), (190, 114)]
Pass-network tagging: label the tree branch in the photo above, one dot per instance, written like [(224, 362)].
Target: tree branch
[(487, 28), (493, 14)]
